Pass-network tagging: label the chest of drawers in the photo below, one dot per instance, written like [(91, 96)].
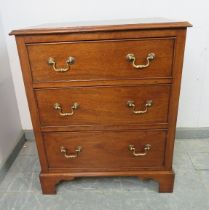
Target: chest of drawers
[(103, 98)]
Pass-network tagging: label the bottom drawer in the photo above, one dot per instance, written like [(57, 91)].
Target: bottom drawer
[(105, 150)]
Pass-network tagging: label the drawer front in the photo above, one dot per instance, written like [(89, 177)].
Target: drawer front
[(103, 105), (102, 150), (99, 60)]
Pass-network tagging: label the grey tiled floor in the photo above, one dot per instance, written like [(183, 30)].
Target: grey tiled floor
[(21, 189)]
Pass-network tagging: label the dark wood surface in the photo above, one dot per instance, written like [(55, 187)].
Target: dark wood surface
[(100, 36), (105, 150), (103, 105), (163, 177), (101, 59), (106, 25), (101, 81)]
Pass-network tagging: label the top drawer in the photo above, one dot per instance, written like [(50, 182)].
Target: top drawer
[(101, 60)]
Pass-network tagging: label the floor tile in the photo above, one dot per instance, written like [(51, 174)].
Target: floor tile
[(136, 184), (94, 183), (179, 146), (200, 160), (80, 200), (108, 184), (189, 193), (188, 180), (99, 200), (25, 163), (188, 200), (134, 201), (204, 176), (29, 148), (181, 161), (20, 201), (196, 145), (36, 186), (17, 182), (156, 201), (67, 201)]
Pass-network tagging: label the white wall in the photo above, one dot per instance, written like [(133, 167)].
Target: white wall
[(194, 101), (10, 125)]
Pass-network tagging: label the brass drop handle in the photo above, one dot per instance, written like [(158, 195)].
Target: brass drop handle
[(147, 105), (70, 156), (70, 60), (131, 58), (132, 148), (58, 107)]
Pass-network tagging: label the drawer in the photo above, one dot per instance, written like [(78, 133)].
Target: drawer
[(100, 60), (103, 105), (105, 150)]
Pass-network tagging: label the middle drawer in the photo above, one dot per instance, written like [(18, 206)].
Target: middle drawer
[(103, 105)]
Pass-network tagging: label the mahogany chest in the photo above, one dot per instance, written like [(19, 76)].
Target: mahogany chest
[(103, 97)]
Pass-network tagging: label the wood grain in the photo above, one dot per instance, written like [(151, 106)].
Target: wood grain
[(105, 150), (164, 178), (31, 102), (101, 59), (103, 105), (111, 25)]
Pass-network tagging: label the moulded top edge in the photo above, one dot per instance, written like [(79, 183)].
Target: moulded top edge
[(108, 25)]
